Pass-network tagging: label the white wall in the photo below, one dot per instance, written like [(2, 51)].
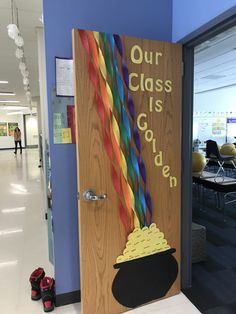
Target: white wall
[(216, 101), (8, 141), (31, 126)]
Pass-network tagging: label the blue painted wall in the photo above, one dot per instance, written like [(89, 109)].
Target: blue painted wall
[(189, 15), (150, 19)]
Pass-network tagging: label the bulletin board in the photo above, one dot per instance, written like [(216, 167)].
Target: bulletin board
[(63, 119), (211, 127)]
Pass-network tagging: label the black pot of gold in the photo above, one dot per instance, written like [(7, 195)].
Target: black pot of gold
[(147, 268)]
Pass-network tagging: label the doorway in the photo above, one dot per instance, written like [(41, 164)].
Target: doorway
[(210, 60), (31, 131)]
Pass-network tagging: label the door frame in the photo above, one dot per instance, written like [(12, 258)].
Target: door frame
[(25, 130), (215, 27)]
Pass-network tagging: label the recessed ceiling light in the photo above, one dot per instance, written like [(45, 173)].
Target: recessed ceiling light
[(213, 77), (9, 101), (12, 107), (7, 93), (3, 82), (15, 112)]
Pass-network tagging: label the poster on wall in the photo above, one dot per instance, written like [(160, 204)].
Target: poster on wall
[(129, 151), (218, 126), (11, 128), (231, 130), (3, 129)]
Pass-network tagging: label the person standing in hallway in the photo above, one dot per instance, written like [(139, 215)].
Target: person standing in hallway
[(17, 139)]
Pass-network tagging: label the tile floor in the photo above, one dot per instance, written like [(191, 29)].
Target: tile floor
[(23, 240)]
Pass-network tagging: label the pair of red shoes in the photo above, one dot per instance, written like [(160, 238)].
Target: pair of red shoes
[(43, 287)]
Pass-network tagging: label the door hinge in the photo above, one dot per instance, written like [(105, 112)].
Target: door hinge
[(77, 195)]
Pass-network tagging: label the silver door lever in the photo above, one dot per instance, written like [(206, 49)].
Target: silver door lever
[(89, 195)]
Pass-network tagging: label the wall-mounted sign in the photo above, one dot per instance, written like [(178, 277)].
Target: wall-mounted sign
[(231, 120)]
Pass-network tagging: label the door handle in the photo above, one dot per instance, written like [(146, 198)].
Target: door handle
[(90, 196)]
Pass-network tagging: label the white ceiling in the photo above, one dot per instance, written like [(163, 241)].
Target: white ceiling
[(30, 11), (215, 62)]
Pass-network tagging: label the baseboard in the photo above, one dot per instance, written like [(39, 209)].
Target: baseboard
[(68, 298), (32, 146), (11, 148)]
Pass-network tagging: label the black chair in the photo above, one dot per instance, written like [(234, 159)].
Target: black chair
[(213, 154)]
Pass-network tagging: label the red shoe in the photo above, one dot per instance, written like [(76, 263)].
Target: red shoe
[(47, 286), (35, 279)]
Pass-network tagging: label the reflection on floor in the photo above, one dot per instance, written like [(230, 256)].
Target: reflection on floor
[(214, 281)]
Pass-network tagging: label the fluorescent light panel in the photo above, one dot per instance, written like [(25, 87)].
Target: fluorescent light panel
[(3, 82), (13, 113), (7, 94), (9, 101), (12, 107)]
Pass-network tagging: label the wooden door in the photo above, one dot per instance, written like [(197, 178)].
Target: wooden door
[(155, 87)]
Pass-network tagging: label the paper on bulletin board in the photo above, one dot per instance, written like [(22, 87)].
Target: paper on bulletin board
[(218, 126), (66, 136), (64, 77), (71, 121), (57, 126)]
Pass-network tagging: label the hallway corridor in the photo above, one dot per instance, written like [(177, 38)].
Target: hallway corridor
[(23, 232)]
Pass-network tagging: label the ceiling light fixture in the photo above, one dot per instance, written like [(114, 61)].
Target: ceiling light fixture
[(3, 82), (7, 94), (9, 101), (14, 113), (12, 107)]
